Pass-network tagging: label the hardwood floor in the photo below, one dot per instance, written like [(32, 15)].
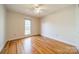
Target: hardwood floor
[(38, 45)]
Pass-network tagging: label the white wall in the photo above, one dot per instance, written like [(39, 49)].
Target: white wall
[(35, 26), (2, 26), (15, 25), (77, 22), (62, 26)]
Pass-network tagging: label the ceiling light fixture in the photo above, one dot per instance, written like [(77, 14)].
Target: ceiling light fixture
[(37, 8), (36, 5)]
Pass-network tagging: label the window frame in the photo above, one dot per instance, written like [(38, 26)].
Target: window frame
[(30, 26)]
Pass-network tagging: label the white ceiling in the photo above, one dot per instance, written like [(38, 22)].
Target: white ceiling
[(28, 9)]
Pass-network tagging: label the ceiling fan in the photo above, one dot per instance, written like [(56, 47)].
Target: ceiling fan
[(37, 8)]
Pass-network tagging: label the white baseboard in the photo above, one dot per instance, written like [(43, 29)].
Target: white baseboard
[(15, 39), (2, 46), (22, 37), (75, 45)]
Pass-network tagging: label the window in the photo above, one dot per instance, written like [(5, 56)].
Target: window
[(27, 27)]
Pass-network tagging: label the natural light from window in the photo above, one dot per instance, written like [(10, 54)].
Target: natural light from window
[(27, 27)]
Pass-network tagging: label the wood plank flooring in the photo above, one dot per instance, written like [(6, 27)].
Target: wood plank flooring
[(38, 45)]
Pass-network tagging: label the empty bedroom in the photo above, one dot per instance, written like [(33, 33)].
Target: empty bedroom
[(39, 29)]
